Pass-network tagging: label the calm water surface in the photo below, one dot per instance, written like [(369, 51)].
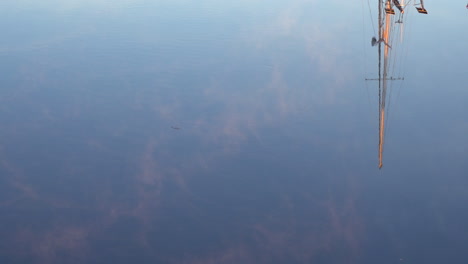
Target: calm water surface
[(227, 132)]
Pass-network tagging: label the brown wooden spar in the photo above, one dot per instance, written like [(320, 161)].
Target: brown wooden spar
[(398, 5), (385, 38), (421, 9)]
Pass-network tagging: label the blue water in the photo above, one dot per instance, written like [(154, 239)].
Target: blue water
[(236, 132)]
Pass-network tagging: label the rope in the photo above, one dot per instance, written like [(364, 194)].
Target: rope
[(372, 19), (364, 49)]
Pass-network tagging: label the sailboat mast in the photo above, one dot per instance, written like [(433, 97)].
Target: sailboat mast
[(384, 31), (385, 63), (380, 75)]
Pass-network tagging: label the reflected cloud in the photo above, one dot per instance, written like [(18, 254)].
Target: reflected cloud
[(49, 247), (103, 161)]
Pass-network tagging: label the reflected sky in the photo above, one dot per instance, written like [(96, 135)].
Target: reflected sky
[(227, 132)]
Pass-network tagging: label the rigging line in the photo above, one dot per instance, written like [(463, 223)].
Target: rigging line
[(392, 44), (401, 59), (397, 59), (394, 101), (402, 45), (399, 90), (406, 51), (389, 68), (389, 107), (364, 49), (397, 52), (391, 71), (372, 19), (391, 103), (391, 100), (368, 97), (408, 41)]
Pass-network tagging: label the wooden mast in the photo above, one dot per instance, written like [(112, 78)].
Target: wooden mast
[(385, 22), (384, 31)]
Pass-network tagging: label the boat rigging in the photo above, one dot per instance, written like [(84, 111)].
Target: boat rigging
[(388, 48)]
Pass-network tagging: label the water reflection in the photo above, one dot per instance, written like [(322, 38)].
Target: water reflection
[(180, 132)]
